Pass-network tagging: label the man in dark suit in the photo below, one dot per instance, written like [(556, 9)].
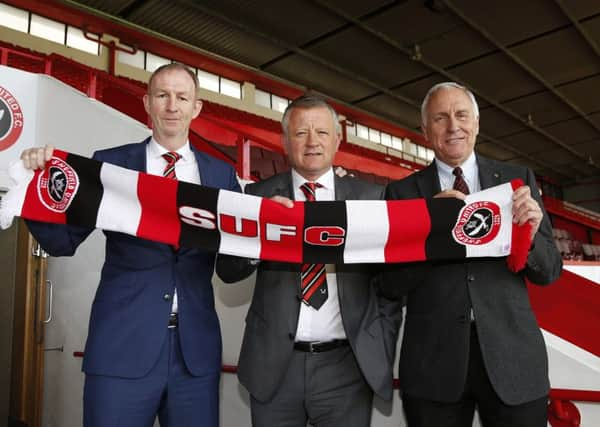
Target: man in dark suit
[(154, 343), (471, 339), (319, 340)]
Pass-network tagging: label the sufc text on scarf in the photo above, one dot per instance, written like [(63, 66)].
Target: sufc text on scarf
[(80, 191)]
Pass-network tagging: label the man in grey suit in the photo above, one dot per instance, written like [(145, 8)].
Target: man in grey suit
[(471, 339), (319, 339)]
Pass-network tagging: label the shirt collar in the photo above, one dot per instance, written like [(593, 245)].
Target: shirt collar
[(156, 150), (467, 166), (326, 180)]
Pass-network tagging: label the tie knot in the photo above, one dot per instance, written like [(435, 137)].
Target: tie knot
[(171, 157), (457, 171), (309, 190)]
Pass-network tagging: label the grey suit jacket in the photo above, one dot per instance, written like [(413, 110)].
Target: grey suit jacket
[(370, 321), (435, 348)]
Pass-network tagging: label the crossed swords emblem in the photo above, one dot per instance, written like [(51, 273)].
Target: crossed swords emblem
[(475, 226)]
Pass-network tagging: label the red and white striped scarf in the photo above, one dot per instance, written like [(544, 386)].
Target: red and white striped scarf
[(80, 191)]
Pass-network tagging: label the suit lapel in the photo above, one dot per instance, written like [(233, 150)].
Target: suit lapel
[(283, 186), (489, 176), (204, 166), (428, 181), (136, 158), (343, 190)]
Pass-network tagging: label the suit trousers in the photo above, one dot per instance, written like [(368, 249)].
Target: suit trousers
[(478, 394), (326, 389), (168, 390)]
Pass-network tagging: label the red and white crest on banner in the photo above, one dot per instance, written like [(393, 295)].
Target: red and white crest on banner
[(11, 119), (57, 185), (478, 223)]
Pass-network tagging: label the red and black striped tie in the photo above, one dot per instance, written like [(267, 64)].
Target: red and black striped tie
[(459, 182), (313, 276), (171, 157)]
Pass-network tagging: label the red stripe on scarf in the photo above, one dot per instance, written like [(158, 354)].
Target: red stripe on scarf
[(290, 246), (521, 240), (409, 226), (160, 219)]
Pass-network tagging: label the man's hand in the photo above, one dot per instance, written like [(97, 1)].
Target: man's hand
[(526, 209), (36, 158), (288, 203), (449, 194)]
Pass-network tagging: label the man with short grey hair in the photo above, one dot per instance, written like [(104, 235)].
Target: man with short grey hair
[(471, 340), (319, 339)]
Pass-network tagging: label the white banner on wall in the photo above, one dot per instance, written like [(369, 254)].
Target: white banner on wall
[(36, 109), (18, 115)]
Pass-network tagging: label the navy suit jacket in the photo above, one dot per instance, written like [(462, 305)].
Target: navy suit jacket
[(130, 312)]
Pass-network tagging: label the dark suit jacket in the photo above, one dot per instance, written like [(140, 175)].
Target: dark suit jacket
[(370, 321), (435, 348), (131, 309)]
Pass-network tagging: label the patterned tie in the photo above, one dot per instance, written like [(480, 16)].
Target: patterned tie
[(314, 280), (459, 182), (171, 157)]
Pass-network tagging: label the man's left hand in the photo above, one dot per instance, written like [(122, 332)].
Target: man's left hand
[(526, 209)]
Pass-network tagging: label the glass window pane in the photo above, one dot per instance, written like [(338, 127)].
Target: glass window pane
[(374, 135), (262, 98), (279, 103), (397, 143), (350, 128), (155, 61), (362, 131), (386, 139), (430, 155), (421, 152), (14, 18), (409, 147), (77, 40), (47, 29), (408, 157), (231, 88), (208, 81), (136, 60)]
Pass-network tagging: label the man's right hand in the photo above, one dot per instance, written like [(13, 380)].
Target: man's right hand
[(36, 158), (288, 203), (450, 193)]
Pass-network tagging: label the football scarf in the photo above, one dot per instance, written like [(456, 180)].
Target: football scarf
[(80, 191)]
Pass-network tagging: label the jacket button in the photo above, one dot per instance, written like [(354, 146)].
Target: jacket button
[(462, 319), (291, 336), (167, 297), (470, 277)]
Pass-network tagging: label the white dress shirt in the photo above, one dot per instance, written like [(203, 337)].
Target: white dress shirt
[(324, 324), (470, 174), (186, 170)]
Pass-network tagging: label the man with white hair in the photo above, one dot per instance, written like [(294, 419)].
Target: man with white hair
[(471, 340)]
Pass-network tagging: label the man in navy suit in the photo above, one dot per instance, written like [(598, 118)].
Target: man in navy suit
[(154, 343)]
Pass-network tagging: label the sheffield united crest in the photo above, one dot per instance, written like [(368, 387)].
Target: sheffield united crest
[(478, 223), (11, 119), (57, 185)]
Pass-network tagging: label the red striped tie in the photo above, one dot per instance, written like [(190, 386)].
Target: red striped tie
[(171, 157), (313, 276), (459, 182)]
